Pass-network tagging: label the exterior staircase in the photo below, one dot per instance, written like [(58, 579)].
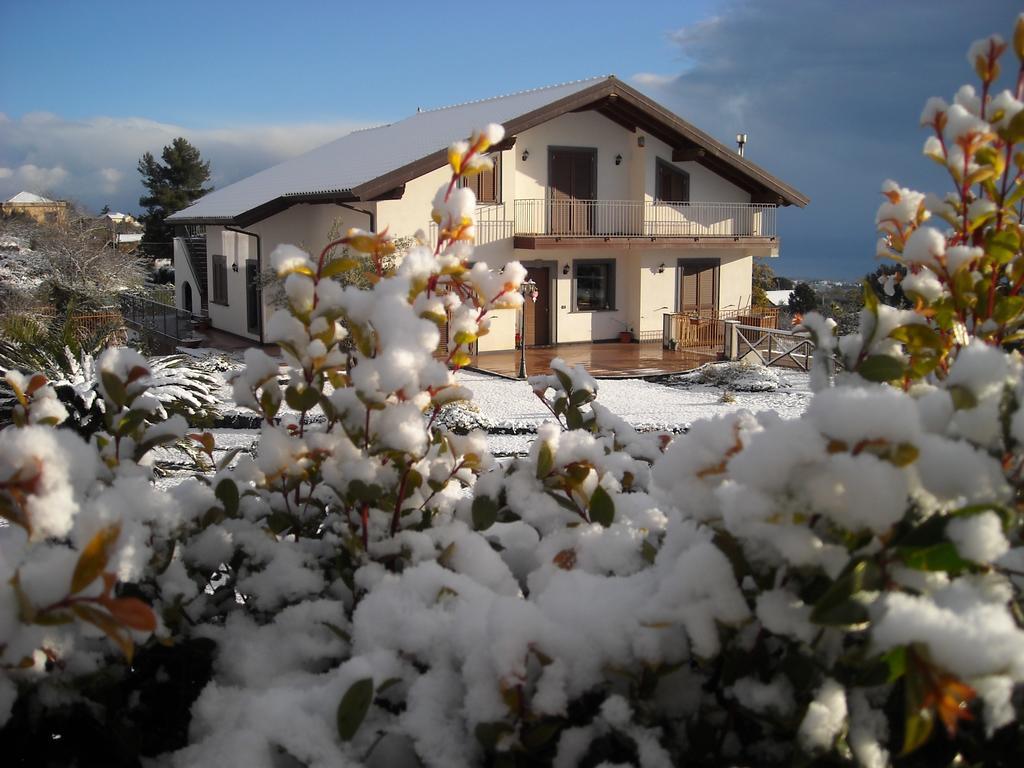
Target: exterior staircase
[(196, 247)]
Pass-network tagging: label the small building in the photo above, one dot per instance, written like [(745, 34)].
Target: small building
[(621, 211), (40, 209), (125, 230)]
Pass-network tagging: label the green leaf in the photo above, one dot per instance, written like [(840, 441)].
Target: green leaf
[(545, 461), (963, 398), (340, 633), (488, 734), (870, 298), (353, 707), (882, 368), (896, 659), (939, 557), (602, 508), (581, 397), (1008, 308), (114, 388), (338, 266), (542, 734), (303, 399), (648, 551), (917, 336), (837, 606), (485, 512), (227, 492)]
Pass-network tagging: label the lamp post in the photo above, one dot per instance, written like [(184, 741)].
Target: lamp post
[(528, 288)]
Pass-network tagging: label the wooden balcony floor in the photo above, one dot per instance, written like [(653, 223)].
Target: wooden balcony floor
[(605, 361)]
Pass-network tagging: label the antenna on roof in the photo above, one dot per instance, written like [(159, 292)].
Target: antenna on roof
[(741, 141)]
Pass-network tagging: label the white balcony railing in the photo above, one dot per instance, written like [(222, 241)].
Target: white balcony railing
[(638, 218), (492, 224), (621, 218)]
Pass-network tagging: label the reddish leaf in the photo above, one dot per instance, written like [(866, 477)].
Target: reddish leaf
[(93, 560), (132, 613)]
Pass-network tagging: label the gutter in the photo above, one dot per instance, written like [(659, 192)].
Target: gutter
[(259, 267), (372, 216)]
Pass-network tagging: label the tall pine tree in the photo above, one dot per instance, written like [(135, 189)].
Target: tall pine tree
[(172, 185)]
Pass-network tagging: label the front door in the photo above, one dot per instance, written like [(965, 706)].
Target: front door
[(538, 313), (698, 287), (572, 174)]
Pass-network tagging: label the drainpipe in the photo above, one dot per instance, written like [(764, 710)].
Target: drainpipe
[(372, 216), (259, 267)]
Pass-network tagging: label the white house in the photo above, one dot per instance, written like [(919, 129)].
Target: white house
[(620, 210)]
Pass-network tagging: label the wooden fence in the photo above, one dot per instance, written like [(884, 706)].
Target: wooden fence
[(706, 327)]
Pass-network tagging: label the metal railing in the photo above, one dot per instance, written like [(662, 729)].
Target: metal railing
[(491, 224), (154, 317), (706, 327), (639, 218)]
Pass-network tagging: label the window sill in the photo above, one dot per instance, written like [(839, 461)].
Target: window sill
[(591, 311), (219, 303)]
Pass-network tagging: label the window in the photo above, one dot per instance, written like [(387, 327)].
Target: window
[(593, 285), (671, 185), (487, 185), (220, 279)]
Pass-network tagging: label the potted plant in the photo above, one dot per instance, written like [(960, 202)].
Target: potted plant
[(626, 335)]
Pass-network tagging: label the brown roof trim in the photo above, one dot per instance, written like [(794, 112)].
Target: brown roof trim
[(626, 104), (278, 204)]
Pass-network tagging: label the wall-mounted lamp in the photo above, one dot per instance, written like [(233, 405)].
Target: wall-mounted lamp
[(640, 140), (234, 267), (565, 269), (618, 159), (526, 155), (661, 268)]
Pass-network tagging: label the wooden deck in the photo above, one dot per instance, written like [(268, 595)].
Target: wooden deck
[(605, 361)]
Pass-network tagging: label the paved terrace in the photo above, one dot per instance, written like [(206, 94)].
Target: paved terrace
[(607, 360)]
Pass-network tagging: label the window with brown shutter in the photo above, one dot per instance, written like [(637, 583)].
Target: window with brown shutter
[(487, 185), (219, 278), (671, 184)]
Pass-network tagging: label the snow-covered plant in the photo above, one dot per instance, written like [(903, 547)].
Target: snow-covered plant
[(373, 589)]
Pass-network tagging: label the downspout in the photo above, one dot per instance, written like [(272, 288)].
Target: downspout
[(259, 267), (371, 214)]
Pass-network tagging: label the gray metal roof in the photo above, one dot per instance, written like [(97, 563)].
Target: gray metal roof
[(365, 155)]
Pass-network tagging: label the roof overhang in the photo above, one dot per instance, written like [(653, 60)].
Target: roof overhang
[(268, 209), (632, 110)]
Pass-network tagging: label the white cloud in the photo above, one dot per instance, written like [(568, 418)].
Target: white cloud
[(93, 161), (653, 80)]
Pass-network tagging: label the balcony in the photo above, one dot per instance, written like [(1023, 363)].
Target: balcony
[(639, 223), (623, 223)]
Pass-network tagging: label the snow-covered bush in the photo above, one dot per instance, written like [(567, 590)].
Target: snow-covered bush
[(375, 589)]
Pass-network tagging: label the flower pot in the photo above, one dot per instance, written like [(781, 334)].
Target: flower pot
[(625, 337)]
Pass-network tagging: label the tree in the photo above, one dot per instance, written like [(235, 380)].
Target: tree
[(105, 210), (172, 185), (880, 277), (803, 299), (762, 280)]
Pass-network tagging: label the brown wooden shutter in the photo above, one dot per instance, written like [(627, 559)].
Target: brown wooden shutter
[(688, 293), (706, 288)]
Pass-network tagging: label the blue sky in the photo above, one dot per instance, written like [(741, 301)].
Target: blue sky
[(828, 90)]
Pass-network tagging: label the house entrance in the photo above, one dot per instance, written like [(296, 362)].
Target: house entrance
[(572, 179), (698, 287), (538, 313)]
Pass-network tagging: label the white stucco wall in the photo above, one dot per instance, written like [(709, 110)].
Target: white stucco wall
[(581, 129)]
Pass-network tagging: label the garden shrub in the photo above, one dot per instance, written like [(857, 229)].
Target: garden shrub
[(371, 588)]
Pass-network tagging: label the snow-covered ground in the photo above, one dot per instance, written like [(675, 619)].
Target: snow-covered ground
[(510, 413), (504, 407)]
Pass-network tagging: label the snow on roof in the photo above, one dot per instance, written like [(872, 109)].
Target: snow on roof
[(779, 298), (368, 154), (28, 197)]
